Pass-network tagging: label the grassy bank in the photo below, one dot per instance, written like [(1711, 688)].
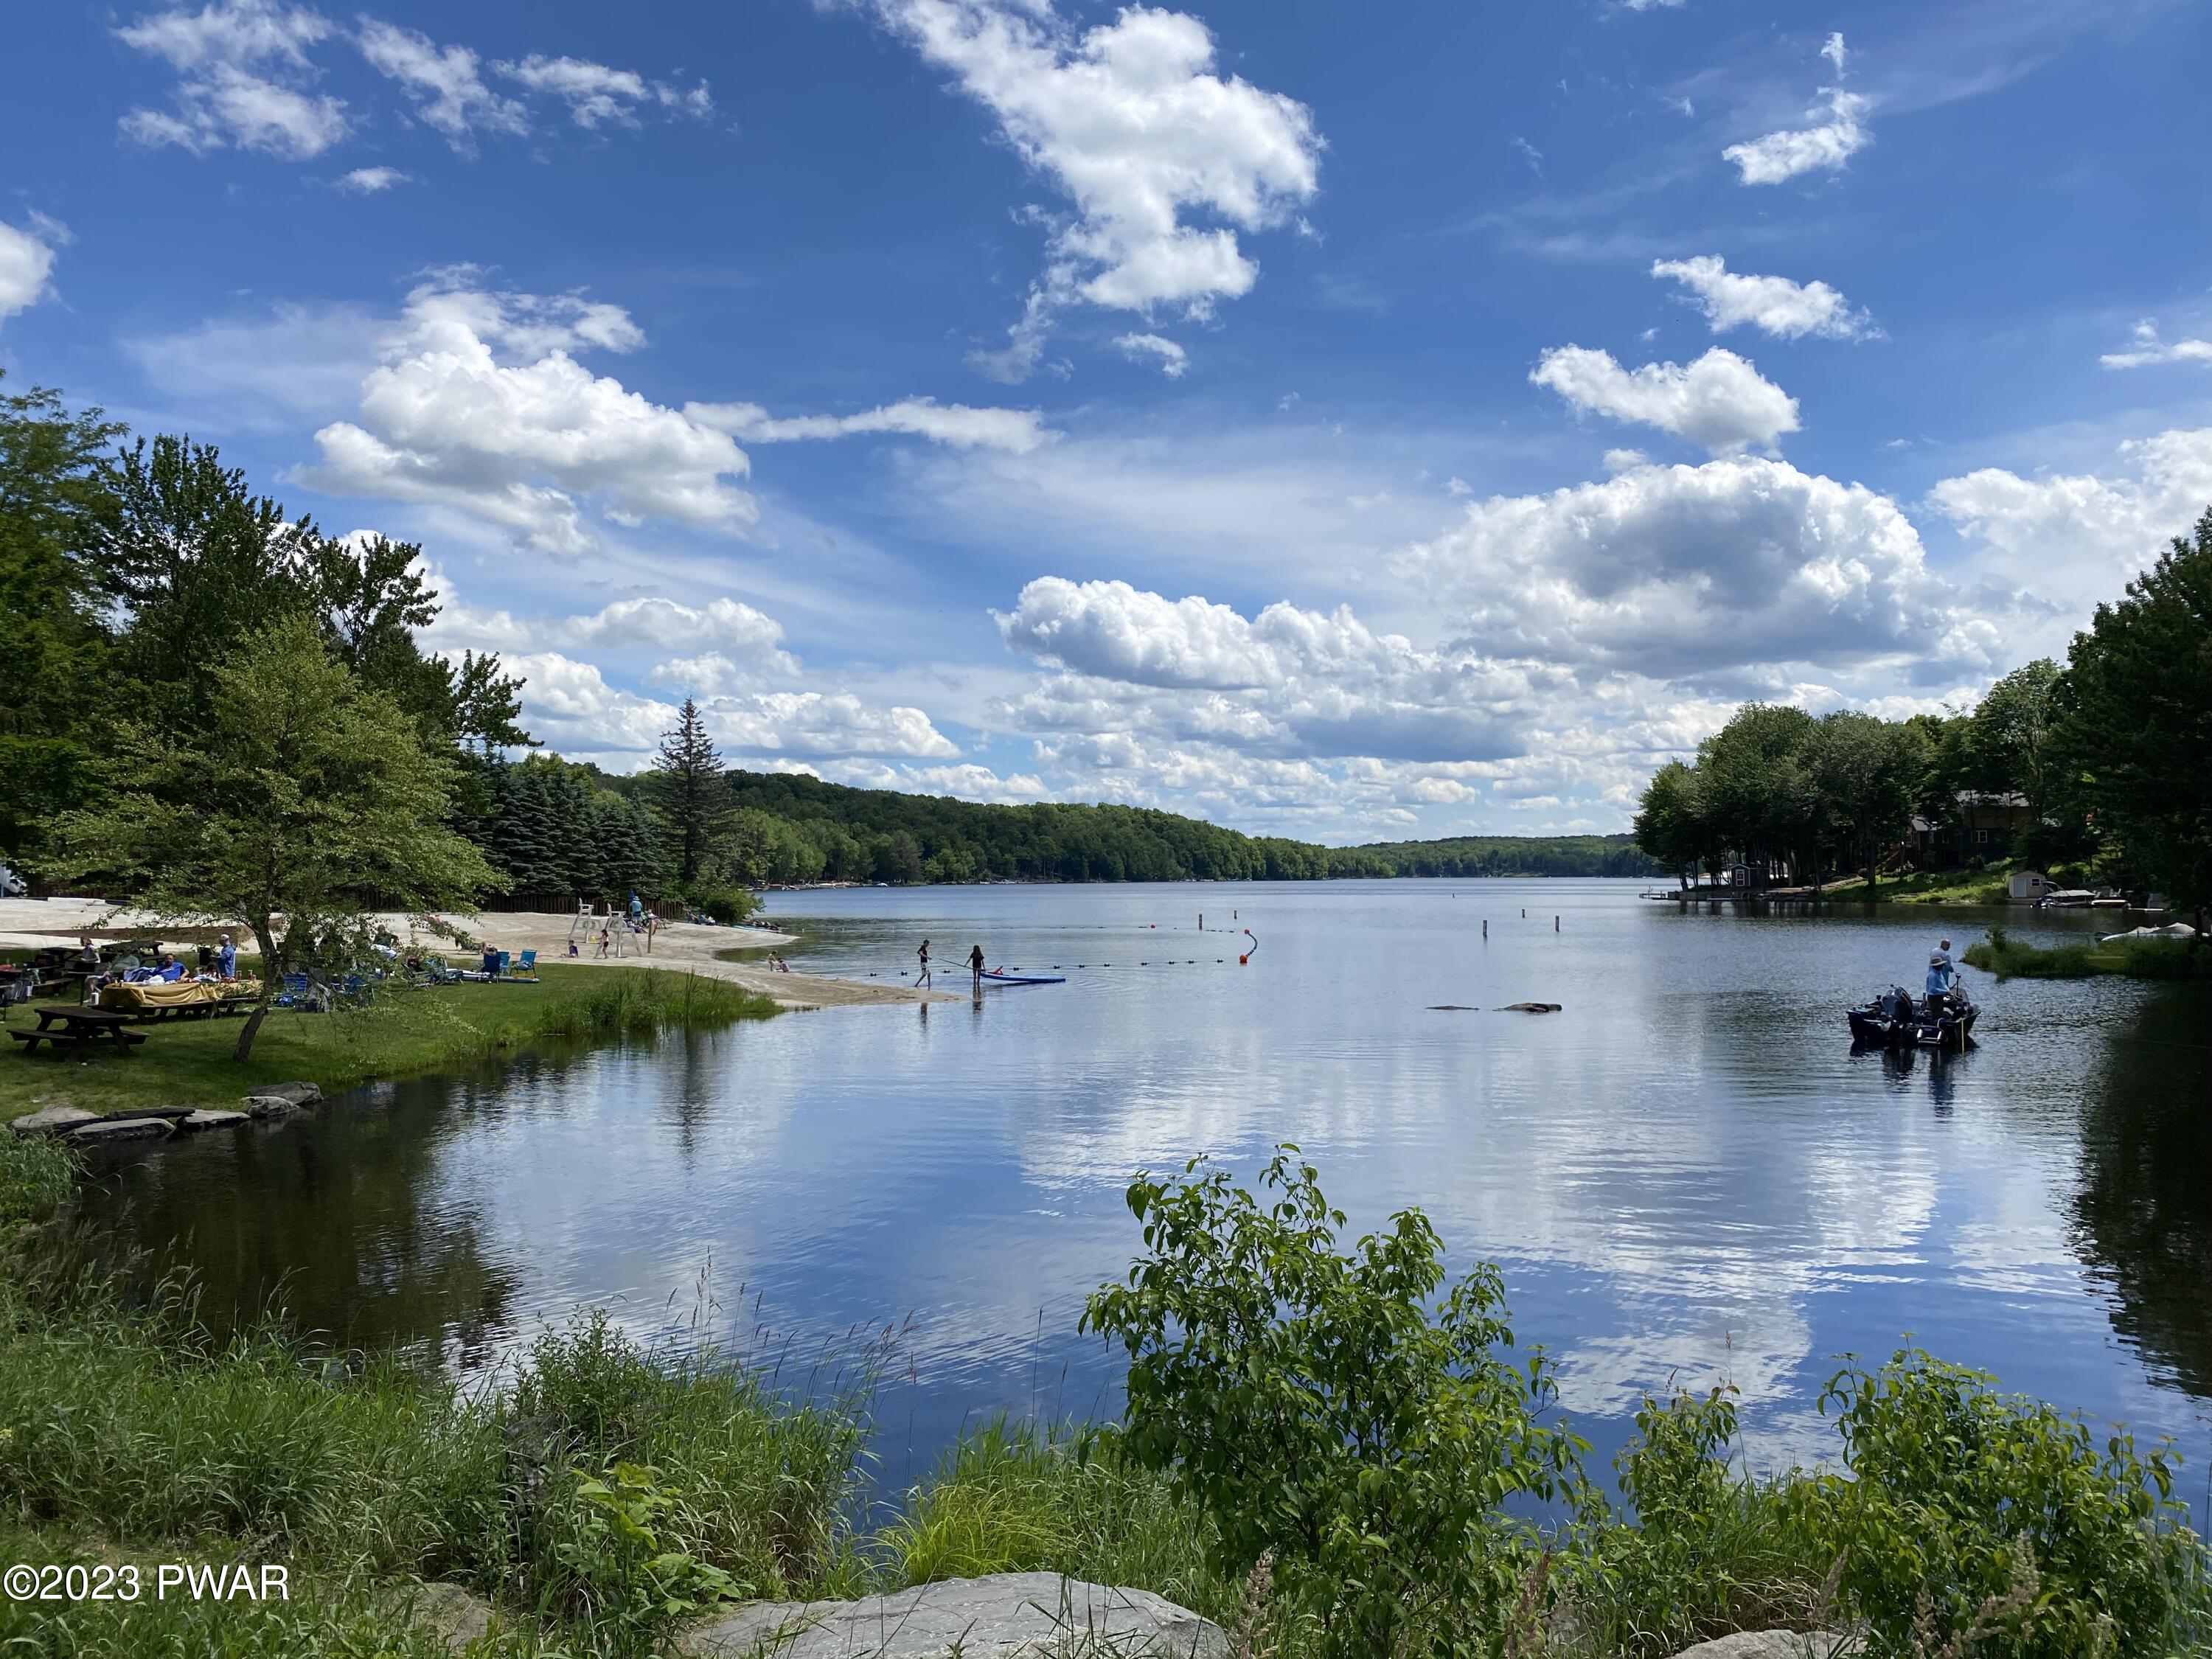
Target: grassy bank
[(2143, 959), (405, 1032)]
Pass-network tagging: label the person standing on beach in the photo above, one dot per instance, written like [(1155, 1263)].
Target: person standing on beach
[(975, 963), (922, 978)]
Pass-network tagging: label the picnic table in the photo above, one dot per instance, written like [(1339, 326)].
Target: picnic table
[(80, 1030)]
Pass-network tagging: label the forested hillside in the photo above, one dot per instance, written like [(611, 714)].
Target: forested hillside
[(781, 827)]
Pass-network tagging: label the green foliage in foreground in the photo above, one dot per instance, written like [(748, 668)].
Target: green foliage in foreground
[(1318, 1412), (405, 1031), (609, 1492), (2143, 959), (1334, 1422)]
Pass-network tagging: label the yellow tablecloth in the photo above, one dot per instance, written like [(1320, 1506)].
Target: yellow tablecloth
[(183, 994)]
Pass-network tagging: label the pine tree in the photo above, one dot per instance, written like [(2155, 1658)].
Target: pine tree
[(689, 782)]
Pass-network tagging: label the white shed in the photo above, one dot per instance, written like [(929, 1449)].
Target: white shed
[(2029, 884)]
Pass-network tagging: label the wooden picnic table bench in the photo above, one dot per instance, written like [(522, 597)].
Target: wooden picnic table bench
[(80, 1030)]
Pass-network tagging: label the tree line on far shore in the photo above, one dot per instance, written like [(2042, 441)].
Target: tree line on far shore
[(752, 828), (2105, 762)]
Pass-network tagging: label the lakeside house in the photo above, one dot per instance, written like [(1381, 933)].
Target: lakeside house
[(1981, 826)]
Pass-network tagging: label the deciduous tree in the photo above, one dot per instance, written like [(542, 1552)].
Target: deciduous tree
[(300, 796), (2135, 721)]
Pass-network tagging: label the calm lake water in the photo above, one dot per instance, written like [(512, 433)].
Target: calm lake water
[(1687, 1174)]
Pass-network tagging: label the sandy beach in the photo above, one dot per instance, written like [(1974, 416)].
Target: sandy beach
[(28, 924)]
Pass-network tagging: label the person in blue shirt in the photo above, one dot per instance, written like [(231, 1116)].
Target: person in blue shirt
[(226, 958), (1941, 975)]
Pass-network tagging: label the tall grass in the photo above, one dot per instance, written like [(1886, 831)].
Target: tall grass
[(132, 1425), (36, 1174), (2143, 959), (1010, 1497)]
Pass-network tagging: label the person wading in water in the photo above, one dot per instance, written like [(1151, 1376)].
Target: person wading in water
[(922, 978), (975, 963)]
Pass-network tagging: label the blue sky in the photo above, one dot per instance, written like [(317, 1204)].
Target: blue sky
[(1344, 422)]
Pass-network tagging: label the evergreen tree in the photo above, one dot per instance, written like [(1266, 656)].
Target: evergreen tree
[(689, 781)]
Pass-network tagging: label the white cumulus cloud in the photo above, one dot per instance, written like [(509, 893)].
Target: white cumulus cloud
[(26, 262), (1720, 400), (478, 404), (2073, 540), (1171, 358), (2145, 348), (1675, 571), (1017, 431), (243, 80), (1837, 131), (1288, 682), (1774, 304), (1130, 120)]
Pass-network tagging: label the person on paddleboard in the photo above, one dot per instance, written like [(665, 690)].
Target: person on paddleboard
[(976, 962)]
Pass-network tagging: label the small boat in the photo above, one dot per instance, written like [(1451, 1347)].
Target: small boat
[(1896, 1019), (2066, 898), (1000, 977)]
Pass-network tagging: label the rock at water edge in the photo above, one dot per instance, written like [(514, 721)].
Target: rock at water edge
[(122, 1128), (174, 1113), (53, 1120), (1770, 1644), (300, 1094), (450, 1615), (1008, 1615), (271, 1106), (210, 1119)]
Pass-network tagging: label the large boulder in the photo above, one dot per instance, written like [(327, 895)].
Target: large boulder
[(300, 1094), (1008, 1615), (174, 1113), (53, 1120), (1771, 1644)]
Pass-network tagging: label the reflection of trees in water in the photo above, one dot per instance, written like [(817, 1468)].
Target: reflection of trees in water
[(2144, 1216), (324, 1215)]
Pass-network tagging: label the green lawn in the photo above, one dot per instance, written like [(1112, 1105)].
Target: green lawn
[(406, 1031), (1931, 887)]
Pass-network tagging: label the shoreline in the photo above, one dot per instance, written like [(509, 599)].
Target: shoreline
[(677, 947)]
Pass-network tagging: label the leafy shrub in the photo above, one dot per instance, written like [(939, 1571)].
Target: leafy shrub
[(1709, 1552), (625, 1577), (1975, 1511), (1318, 1412)]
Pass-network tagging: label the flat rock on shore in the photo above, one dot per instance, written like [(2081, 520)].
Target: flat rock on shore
[(1770, 1644), (1008, 1615), (53, 1120)]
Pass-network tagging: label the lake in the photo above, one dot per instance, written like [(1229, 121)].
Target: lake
[(1687, 1173)]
